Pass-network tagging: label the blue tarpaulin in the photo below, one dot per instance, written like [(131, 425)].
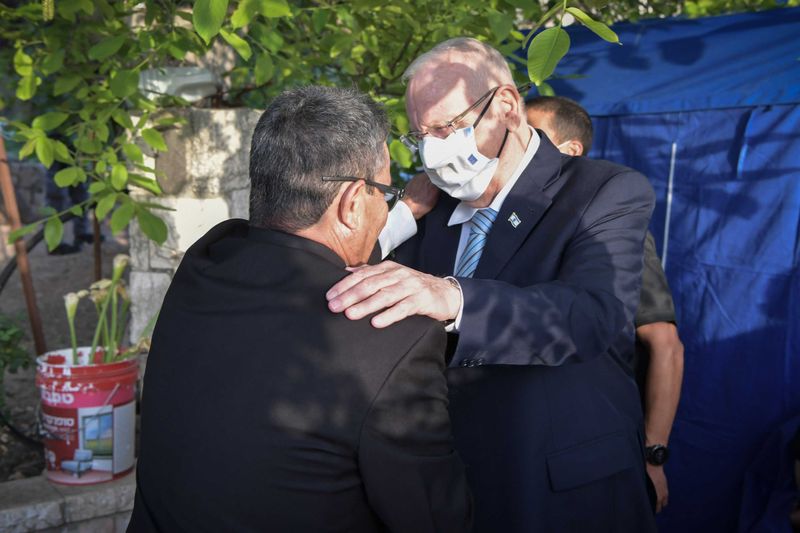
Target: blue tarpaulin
[(708, 110)]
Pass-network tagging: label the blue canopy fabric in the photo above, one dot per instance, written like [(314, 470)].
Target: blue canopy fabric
[(708, 110), (668, 65)]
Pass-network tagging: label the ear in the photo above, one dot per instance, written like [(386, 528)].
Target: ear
[(351, 205), (513, 111), (574, 147)]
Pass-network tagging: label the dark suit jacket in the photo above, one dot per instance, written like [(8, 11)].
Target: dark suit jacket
[(264, 411), (545, 412)]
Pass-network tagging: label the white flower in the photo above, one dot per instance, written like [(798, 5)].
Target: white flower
[(98, 291), (121, 262), (71, 300)]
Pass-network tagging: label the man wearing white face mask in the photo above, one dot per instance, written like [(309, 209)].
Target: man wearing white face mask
[(533, 259)]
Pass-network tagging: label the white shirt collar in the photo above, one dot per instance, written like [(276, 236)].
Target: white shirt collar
[(463, 212)]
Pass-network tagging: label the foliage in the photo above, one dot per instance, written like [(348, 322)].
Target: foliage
[(12, 355), (78, 64)]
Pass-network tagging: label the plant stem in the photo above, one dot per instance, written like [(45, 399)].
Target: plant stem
[(101, 321), (123, 317), (112, 342), (74, 338)]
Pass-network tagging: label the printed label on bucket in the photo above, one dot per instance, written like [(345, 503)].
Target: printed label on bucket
[(88, 417), (90, 444)]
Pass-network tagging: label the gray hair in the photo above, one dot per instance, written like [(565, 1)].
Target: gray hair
[(499, 71), (304, 134)]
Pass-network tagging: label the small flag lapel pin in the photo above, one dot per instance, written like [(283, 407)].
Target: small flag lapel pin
[(514, 219)]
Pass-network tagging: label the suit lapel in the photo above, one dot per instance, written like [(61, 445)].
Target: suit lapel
[(440, 243), (521, 211)]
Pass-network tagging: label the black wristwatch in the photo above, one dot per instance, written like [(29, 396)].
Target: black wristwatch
[(657, 454)]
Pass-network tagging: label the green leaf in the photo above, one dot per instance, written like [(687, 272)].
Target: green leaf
[(45, 151), (27, 87), (545, 89), (243, 14), (599, 28), (124, 83), (65, 84), (152, 226), (238, 44), (53, 231), (274, 8), (62, 152), (545, 51), (76, 210), (170, 121), (145, 183), (264, 69), (344, 43), (97, 187), (104, 205), (50, 121), (122, 118), (23, 63), (28, 148), (107, 48), (272, 40), (122, 216), (400, 154), (132, 152), (208, 16), (100, 167), (319, 19), (119, 176), (154, 139), (501, 24), (67, 177), (17, 234), (87, 145), (53, 62)]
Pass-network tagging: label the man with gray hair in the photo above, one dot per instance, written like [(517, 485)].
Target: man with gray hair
[(262, 411), (533, 260)]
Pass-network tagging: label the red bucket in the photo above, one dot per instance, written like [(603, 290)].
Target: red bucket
[(88, 417)]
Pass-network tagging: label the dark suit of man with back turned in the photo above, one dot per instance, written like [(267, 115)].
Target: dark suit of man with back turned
[(263, 411), (545, 410)]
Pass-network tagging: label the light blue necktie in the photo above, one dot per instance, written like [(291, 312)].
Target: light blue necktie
[(481, 224)]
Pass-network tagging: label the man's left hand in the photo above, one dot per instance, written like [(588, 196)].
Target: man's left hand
[(659, 480), (397, 290)]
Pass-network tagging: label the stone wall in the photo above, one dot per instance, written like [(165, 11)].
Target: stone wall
[(206, 182)]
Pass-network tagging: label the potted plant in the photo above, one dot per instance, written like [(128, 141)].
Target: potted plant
[(88, 393)]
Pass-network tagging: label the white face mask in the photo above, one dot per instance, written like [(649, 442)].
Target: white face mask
[(455, 165)]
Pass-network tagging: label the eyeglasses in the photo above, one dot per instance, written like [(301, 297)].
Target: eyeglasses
[(390, 194), (412, 138)]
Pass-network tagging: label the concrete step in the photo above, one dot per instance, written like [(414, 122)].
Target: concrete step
[(34, 504)]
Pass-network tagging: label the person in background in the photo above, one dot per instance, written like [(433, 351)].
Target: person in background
[(532, 260), (263, 411), (659, 351)]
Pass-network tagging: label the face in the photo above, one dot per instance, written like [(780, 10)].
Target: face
[(440, 91)]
